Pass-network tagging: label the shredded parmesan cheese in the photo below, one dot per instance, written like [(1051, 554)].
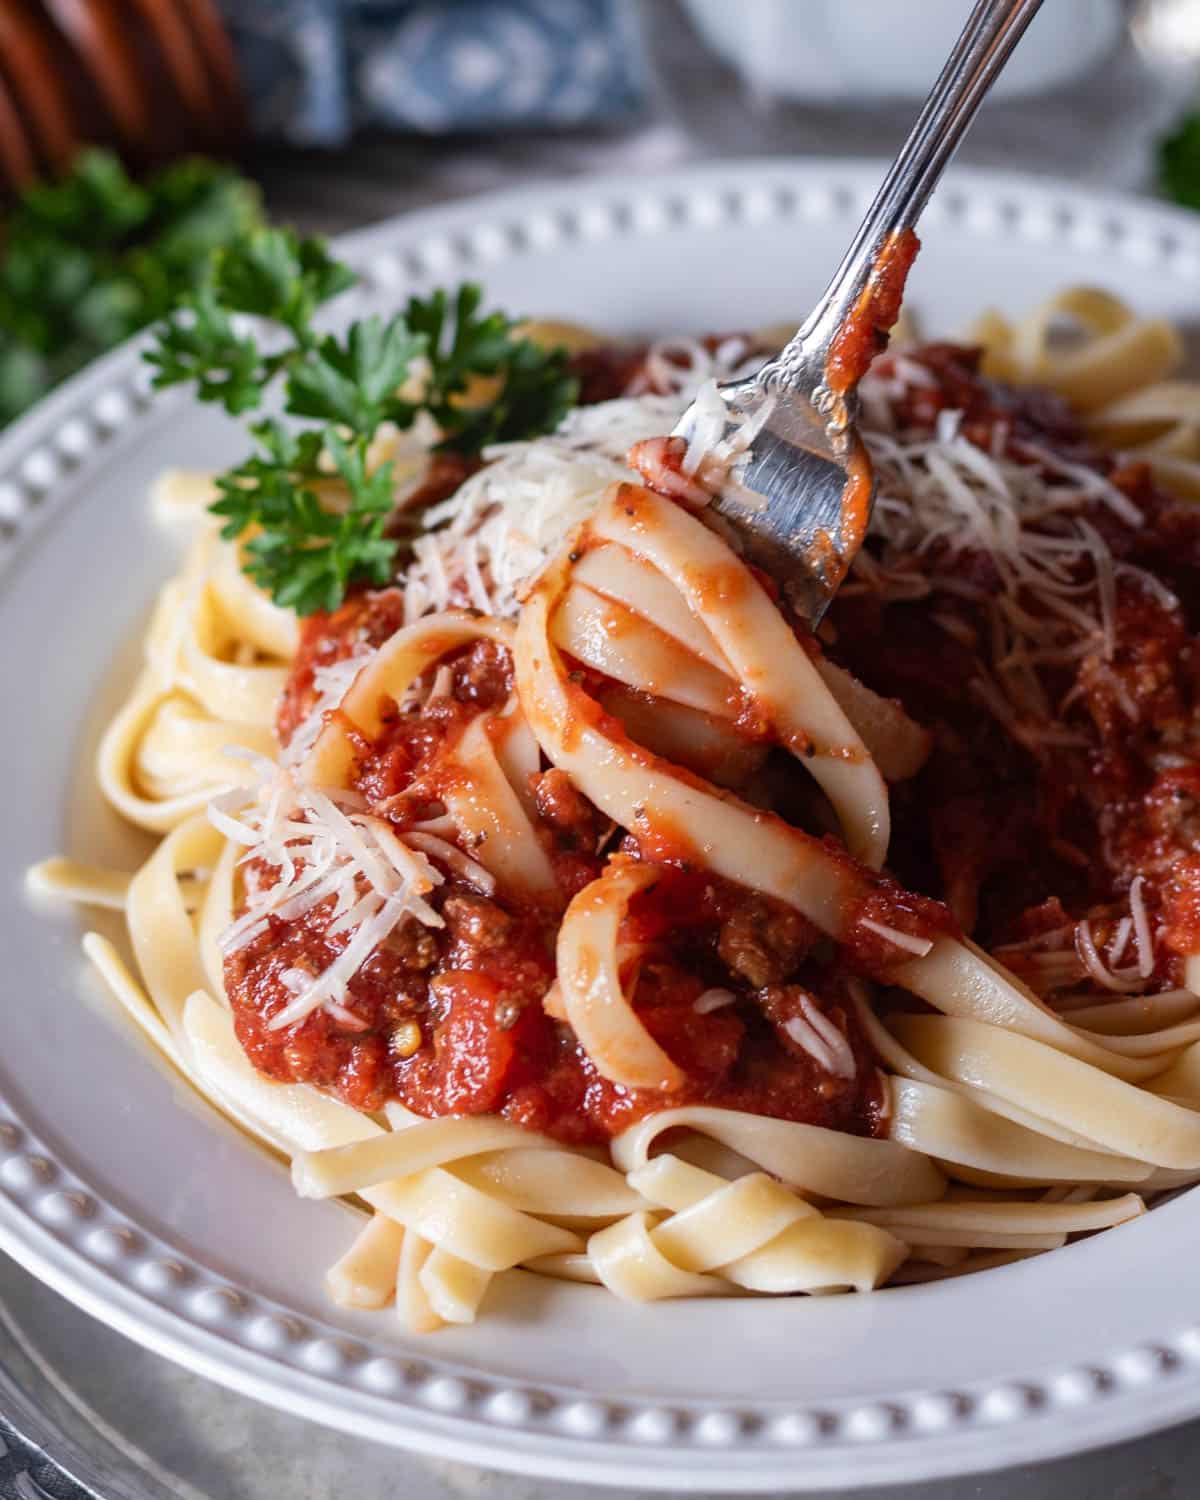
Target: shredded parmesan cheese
[(680, 366), (332, 683), (1085, 943), (714, 999), (462, 864), (906, 940), (497, 530), (1059, 958), (1141, 927), (821, 1039), (716, 440), (324, 848), (494, 534), (1056, 596)]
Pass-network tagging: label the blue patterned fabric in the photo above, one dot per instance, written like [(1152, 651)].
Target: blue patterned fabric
[(315, 71)]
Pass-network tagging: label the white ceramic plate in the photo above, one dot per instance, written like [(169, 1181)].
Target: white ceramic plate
[(140, 1205)]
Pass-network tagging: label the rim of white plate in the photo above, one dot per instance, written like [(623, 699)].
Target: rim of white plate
[(65, 1232)]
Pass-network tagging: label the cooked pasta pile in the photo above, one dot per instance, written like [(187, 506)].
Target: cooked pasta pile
[(569, 907)]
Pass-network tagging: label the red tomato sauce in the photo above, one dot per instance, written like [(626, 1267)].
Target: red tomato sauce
[(487, 1046), (864, 334), (989, 835), (988, 825), (473, 989)]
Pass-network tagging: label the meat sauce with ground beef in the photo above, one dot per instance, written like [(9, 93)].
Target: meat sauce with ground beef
[(451, 1020), (1014, 839)]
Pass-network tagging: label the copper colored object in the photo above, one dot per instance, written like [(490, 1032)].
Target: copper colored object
[(214, 42), (152, 78), (28, 60), (16, 154), (184, 64), (93, 28)]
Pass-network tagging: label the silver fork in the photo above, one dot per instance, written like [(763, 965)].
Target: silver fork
[(800, 494)]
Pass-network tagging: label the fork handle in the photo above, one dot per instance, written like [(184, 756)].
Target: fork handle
[(992, 31)]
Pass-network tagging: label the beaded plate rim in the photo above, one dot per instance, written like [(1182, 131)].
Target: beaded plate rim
[(64, 1232)]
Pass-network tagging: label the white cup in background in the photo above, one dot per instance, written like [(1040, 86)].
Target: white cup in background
[(878, 50)]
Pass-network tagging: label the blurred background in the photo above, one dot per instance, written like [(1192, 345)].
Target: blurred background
[(136, 135)]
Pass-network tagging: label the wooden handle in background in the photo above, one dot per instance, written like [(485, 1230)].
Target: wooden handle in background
[(152, 78)]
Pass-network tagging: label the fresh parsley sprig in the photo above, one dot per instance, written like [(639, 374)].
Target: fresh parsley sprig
[(305, 538), (354, 382)]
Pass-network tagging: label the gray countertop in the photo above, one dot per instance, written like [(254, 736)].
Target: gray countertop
[(131, 1424)]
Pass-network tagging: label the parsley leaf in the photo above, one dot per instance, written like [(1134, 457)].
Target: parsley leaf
[(1179, 162), (460, 345), (537, 393), (537, 389), (312, 515), (257, 492), (275, 274), (206, 349), (355, 383), (95, 207)]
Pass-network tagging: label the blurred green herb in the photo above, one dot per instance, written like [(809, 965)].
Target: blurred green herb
[(1179, 162), (87, 261), (301, 544)]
